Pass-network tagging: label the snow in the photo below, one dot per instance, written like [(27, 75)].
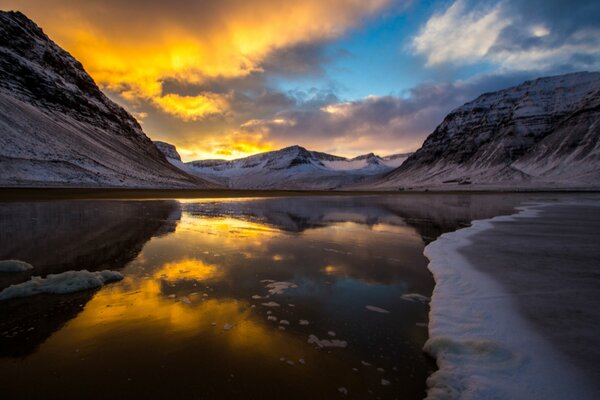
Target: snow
[(63, 283), (313, 339), (484, 349), (14, 266), (377, 309)]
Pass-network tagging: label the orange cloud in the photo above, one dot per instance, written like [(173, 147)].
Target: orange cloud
[(133, 47)]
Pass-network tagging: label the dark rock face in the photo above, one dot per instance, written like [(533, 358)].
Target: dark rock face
[(532, 132), (58, 128), (168, 150)]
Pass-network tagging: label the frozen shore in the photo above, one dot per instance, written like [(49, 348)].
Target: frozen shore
[(487, 344)]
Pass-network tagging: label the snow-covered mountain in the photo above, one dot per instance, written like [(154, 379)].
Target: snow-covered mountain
[(544, 133), (289, 168), (58, 129)]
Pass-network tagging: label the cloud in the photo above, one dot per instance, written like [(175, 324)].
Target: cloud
[(459, 34), (383, 124), (553, 35), (132, 47)]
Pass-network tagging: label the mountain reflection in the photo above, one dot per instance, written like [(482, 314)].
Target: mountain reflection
[(194, 292)]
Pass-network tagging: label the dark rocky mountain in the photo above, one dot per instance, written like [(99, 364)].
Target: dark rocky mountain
[(58, 129), (542, 133)]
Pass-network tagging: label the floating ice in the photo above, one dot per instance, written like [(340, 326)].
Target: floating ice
[(343, 390), (267, 281), (14, 266), (312, 339), (301, 361), (366, 364), (331, 333), (304, 322), (227, 327), (280, 287), (385, 382), (281, 328), (257, 297), (284, 322), (66, 282), (416, 297), (272, 318), (185, 300), (270, 304), (377, 309)]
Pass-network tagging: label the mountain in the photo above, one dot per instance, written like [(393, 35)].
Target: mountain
[(289, 168), (58, 129), (544, 133)]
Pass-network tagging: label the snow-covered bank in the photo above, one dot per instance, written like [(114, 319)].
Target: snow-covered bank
[(484, 348), (66, 282)]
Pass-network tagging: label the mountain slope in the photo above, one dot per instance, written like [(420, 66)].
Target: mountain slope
[(542, 133), (289, 168), (58, 129)]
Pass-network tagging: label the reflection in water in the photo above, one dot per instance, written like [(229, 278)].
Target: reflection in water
[(190, 320)]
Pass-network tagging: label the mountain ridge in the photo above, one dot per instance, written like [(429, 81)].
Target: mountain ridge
[(57, 128)]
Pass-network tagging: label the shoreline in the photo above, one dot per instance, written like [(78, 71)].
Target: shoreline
[(483, 346), (57, 193)]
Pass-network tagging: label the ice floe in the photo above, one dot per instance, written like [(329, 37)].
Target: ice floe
[(270, 304), (272, 318), (284, 322), (304, 322), (343, 390), (385, 382), (279, 287), (313, 339), (377, 309), (63, 283), (483, 347), (415, 297), (227, 327), (14, 266)]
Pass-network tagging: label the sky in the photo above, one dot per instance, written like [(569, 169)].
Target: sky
[(231, 78)]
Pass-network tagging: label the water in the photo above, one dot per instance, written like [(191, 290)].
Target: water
[(192, 268)]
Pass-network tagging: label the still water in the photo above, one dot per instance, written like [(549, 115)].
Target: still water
[(197, 315)]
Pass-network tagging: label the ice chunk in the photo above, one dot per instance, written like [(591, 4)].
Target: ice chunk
[(385, 382), (304, 322), (331, 333), (227, 327), (416, 297), (272, 318), (343, 390), (284, 322), (270, 304), (14, 266), (313, 339), (185, 300), (377, 309), (66, 282), (279, 287)]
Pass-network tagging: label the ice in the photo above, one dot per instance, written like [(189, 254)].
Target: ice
[(14, 266), (331, 333), (257, 297), (343, 390), (227, 327), (270, 304), (63, 283), (385, 382), (483, 347), (304, 322), (279, 287), (416, 297), (185, 300), (284, 322), (313, 339), (272, 318), (377, 309)]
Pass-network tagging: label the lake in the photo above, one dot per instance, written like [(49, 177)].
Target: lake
[(255, 298)]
